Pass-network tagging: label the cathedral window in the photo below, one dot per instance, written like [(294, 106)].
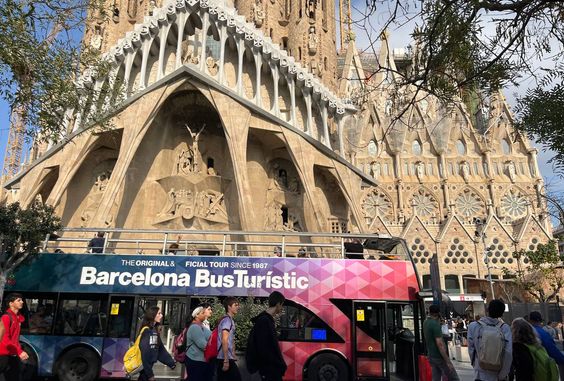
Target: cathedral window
[(505, 147), (376, 204), (452, 284), (514, 204), (419, 252), (416, 148), (460, 147), (426, 282), (425, 205), (457, 253), (468, 204)]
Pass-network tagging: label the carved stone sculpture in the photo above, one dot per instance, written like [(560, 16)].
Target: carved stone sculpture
[(375, 169), (511, 171), (212, 66), (132, 6), (196, 165), (465, 171), (184, 162), (420, 170), (258, 13), (312, 41)]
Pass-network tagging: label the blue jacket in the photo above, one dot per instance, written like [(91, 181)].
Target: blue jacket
[(153, 350), (549, 345)]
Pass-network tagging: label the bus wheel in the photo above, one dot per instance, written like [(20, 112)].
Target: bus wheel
[(78, 364), (327, 367), (28, 368)]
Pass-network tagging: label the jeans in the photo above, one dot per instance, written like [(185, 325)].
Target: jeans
[(439, 368)]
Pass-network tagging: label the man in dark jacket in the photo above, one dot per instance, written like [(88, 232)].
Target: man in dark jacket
[(266, 353)]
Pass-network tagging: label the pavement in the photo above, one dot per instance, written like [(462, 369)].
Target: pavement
[(464, 370)]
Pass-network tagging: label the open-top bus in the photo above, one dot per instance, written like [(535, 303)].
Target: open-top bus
[(345, 319)]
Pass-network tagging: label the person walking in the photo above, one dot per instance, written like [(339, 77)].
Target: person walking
[(263, 343), (490, 344), (526, 348), (196, 340), (535, 318), (151, 345), (438, 356), (11, 352), (207, 313), (227, 369)]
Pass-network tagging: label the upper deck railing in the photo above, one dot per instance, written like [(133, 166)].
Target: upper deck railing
[(228, 243)]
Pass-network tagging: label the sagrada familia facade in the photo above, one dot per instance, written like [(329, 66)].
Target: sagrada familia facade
[(242, 116)]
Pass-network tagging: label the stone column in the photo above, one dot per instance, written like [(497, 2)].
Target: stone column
[(236, 119)]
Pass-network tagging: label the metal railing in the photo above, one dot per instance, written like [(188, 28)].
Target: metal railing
[(225, 243)]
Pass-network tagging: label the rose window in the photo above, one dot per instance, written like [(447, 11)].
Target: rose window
[(514, 205), (376, 204), (468, 204), (424, 204)]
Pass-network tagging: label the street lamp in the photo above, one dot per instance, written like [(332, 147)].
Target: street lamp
[(482, 234)]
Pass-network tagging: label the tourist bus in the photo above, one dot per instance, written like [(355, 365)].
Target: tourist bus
[(357, 317)]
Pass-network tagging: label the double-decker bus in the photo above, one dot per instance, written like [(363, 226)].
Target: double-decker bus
[(357, 317)]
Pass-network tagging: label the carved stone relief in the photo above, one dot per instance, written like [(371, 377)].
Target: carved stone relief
[(465, 171), (258, 13), (312, 41)]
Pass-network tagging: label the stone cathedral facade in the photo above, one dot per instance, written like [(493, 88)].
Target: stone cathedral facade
[(236, 116)]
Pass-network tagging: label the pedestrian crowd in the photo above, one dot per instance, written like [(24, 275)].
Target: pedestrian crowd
[(205, 354), (524, 350)]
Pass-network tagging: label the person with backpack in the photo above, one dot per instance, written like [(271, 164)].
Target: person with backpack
[(151, 345), (226, 361), (196, 341), (490, 345), (436, 349), (263, 351), (11, 353), (530, 359), (535, 318)]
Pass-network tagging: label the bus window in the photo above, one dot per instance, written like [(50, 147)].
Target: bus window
[(121, 313), (297, 323), (38, 311), (84, 316)]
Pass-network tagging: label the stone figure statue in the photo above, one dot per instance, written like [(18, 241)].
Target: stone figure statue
[(184, 162), (96, 39), (311, 6), (465, 169), (258, 13), (375, 169), (312, 40), (212, 66), (195, 147), (511, 170), (132, 6), (420, 170)]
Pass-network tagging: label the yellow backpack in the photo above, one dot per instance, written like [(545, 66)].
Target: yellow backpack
[(132, 362)]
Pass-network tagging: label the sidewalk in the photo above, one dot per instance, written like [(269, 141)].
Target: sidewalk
[(464, 370)]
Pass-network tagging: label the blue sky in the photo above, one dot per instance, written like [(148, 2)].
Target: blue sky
[(399, 38)]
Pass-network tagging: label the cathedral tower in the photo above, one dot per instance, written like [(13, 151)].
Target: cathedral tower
[(306, 28)]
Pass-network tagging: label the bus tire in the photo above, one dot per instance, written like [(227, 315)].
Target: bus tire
[(327, 367), (29, 368), (78, 364)]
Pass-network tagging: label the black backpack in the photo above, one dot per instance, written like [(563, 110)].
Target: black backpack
[(251, 354)]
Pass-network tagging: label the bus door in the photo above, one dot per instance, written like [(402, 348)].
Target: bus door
[(175, 311), (369, 341)]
